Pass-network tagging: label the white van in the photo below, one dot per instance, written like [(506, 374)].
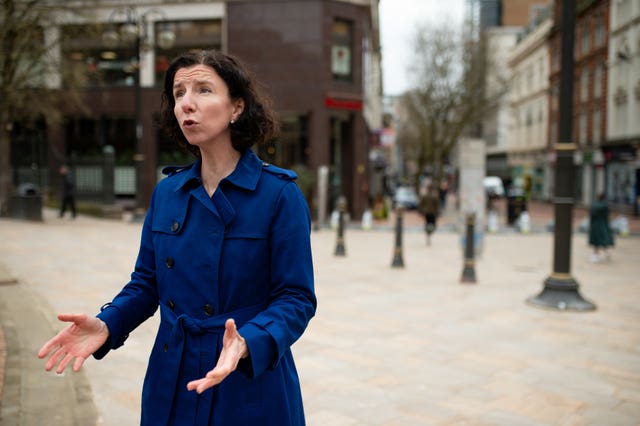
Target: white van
[(493, 186)]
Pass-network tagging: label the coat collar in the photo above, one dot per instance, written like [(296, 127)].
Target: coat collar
[(245, 175)]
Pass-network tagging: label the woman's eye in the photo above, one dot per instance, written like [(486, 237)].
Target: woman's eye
[(178, 94), (205, 90)]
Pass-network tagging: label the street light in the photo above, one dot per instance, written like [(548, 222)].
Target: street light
[(134, 31), (561, 290)]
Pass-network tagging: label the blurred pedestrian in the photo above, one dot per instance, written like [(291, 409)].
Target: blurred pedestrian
[(443, 190), (68, 192), (225, 255), (429, 207), (600, 235)]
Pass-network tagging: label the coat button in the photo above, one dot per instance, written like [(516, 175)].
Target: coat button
[(208, 309), (175, 226), (165, 347), (170, 262), (171, 304)]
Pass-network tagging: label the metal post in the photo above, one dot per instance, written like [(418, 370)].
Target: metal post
[(108, 165), (560, 288), (138, 158), (468, 270), (342, 207), (398, 261), (136, 24)]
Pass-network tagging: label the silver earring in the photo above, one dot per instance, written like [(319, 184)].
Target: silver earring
[(232, 121)]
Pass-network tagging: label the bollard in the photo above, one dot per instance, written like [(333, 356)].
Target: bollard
[(398, 262), (342, 207), (524, 222), (492, 221), (468, 272), (367, 219)]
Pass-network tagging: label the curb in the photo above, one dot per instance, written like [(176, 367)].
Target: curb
[(29, 394)]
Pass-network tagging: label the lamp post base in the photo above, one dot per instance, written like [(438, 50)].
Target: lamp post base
[(561, 293)]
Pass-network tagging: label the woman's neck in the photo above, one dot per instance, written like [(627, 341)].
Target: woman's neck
[(216, 165)]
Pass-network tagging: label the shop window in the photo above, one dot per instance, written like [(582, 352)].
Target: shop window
[(91, 60), (189, 35), (341, 50), (291, 148), (86, 62), (86, 137)]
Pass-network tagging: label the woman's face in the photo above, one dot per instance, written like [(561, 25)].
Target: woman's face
[(202, 105)]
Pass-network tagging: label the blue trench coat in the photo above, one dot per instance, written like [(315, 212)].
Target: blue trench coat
[(243, 253)]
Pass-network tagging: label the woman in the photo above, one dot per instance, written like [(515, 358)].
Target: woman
[(600, 236), (225, 254)]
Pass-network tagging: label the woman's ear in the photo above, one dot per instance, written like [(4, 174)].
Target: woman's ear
[(238, 108)]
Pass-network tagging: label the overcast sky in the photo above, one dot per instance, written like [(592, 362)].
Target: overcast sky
[(398, 19)]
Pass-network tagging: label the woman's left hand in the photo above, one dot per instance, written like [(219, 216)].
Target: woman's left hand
[(234, 348)]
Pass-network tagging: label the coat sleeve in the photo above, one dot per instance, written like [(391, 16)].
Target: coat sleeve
[(292, 297), (138, 300)]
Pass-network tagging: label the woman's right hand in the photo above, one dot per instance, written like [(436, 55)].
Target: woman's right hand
[(78, 340)]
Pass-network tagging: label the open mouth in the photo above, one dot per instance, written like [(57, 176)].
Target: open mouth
[(188, 123)]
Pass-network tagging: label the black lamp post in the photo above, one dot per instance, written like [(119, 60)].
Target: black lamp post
[(134, 30), (560, 288)]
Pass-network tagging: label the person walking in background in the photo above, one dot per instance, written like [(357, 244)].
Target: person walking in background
[(443, 190), (600, 235), (68, 192), (225, 254), (429, 207)]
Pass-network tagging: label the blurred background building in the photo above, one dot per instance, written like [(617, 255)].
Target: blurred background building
[(522, 126), (319, 60)]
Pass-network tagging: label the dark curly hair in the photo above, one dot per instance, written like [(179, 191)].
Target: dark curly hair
[(257, 123)]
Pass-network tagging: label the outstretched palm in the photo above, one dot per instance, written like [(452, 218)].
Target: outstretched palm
[(78, 340)]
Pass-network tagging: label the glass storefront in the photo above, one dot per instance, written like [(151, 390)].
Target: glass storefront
[(91, 60)]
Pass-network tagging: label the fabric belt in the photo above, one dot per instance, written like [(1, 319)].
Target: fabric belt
[(183, 327)]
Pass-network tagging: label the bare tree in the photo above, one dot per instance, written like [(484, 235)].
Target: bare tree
[(29, 61), (449, 97)]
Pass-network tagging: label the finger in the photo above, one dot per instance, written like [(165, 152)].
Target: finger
[(63, 363), (53, 359), (206, 384), (66, 317), (230, 329), (78, 363), (192, 385), (46, 348), (218, 373)]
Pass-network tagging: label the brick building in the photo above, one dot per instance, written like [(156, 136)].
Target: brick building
[(319, 60), (589, 93)]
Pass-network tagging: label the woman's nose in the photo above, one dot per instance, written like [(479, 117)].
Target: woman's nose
[(186, 103)]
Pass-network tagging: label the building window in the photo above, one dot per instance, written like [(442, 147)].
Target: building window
[(555, 57), (553, 132), (189, 35), (585, 40), (598, 82), (584, 85), (596, 126), (582, 136), (87, 63), (341, 48), (599, 36), (291, 148), (86, 137)]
